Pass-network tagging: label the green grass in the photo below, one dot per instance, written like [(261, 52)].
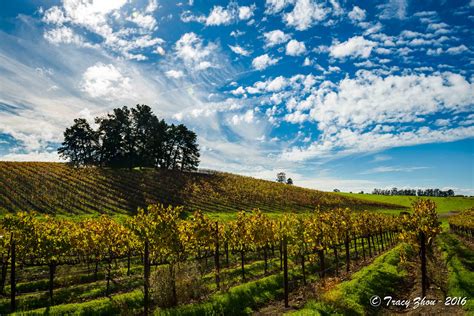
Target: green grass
[(382, 277), (460, 262), (121, 304), (239, 300), (444, 204)]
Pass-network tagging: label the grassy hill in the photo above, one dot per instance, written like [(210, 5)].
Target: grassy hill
[(57, 188), (445, 204)]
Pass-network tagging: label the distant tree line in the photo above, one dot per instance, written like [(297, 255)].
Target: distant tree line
[(130, 138), (414, 192)]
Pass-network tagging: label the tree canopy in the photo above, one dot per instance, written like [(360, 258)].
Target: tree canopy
[(130, 138)]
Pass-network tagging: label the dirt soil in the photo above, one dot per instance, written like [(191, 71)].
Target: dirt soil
[(437, 290), (299, 296)]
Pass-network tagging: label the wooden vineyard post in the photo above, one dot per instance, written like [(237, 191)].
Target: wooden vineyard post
[(368, 245), (348, 257), (363, 248), (13, 277), (281, 251), (423, 264), (336, 255), (216, 257), (355, 246), (146, 263), (321, 262), (285, 270)]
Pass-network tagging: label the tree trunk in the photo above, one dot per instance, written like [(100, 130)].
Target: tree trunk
[(336, 256)]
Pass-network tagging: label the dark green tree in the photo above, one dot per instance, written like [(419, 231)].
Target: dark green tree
[(80, 144), (131, 138), (117, 139)]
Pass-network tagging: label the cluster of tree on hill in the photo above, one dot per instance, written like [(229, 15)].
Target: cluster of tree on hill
[(281, 178), (130, 138), (414, 192)]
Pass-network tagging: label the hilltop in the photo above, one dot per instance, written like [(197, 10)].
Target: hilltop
[(57, 188)]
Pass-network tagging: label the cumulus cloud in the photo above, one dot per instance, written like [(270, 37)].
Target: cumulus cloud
[(218, 16), (362, 114), (275, 37), (394, 9), (175, 74), (105, 81), (275, 6), (295, 48), (263, 61), (191, 49), (240, 50), (99, 17), (357, 14), (457, 50), (63, 35), (356, 46), (305, 14)]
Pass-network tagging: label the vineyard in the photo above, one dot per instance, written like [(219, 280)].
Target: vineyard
[(299, 245), (55, 188), (136, 242)]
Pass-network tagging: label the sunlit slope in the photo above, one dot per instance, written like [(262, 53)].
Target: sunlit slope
[(444, 204), (60, 189)]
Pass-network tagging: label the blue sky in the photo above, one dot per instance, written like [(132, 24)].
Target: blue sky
[(338, 94)]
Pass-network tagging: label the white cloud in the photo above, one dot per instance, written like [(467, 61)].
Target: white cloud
[(54, 15), (295, 48), (152, 6), (191, 49), (357, 14), (394, 9), (385, 169), (356, 46), (105, 81), (32, 156), (160, 50), (275, 6), (219, 15), (362, 114), (275, 37), (176, 74), (246, 12), (457, 50), (240, 50), (145, 21), (63, 35), (247, 117), (305, 14), (99, 17), (263, 61)]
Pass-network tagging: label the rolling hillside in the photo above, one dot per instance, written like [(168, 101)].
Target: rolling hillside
[(56, 188), (444, 204)]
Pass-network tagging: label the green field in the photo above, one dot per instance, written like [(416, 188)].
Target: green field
[(444, 204)]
